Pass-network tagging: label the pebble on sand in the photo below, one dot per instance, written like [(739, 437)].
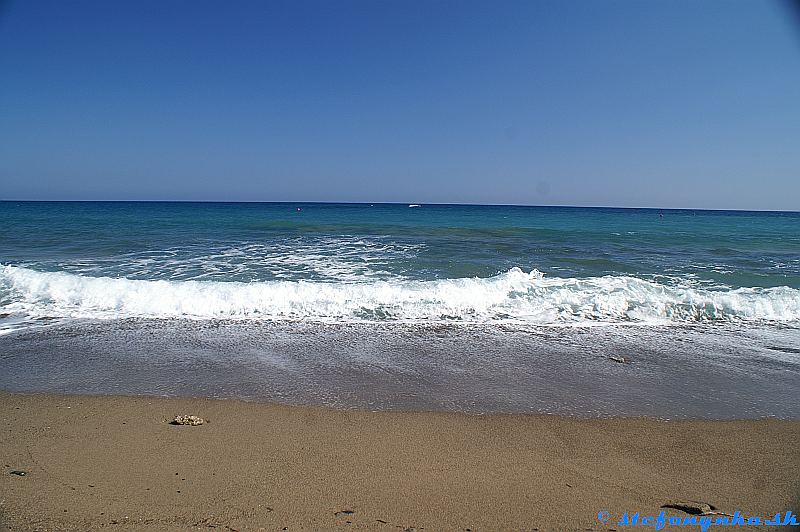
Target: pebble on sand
[(187, 420)]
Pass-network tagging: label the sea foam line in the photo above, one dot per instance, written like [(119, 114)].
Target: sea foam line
[(513, 296)]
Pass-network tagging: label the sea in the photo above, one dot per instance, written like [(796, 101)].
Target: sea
[(469, 308)]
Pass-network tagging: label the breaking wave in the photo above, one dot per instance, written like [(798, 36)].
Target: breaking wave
[(513, 296)]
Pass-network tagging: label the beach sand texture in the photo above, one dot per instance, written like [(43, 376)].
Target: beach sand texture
[(116, 463)]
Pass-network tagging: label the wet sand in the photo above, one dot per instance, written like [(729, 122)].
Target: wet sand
[(713, 372), (114, 462)]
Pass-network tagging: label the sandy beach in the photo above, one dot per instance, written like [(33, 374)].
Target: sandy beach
[(116, 462)]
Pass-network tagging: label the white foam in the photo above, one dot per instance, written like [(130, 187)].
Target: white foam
[(329, 259), (513, 296)]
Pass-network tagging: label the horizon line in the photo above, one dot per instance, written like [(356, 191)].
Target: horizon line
[(465, 204)]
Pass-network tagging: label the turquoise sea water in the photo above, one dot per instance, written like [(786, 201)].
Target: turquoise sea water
[(387, 306), (341, 262)]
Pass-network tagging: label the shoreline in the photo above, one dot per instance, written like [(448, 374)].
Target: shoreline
[(113, 461), (674, 373), (269, 403)]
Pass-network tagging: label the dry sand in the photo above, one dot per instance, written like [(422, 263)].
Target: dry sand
[(115, 462)]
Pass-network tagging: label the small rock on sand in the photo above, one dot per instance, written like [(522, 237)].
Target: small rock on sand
[(187, 420), (694, 507)]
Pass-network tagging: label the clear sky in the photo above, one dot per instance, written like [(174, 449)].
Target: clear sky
[(663, 103)]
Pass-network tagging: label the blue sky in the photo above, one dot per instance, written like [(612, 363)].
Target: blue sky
[(675, 103)]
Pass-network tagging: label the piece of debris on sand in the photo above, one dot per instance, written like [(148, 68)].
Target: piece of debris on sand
[(187, 420), (694, 507)]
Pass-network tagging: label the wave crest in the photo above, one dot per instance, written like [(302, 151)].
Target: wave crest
[(513, 296)]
